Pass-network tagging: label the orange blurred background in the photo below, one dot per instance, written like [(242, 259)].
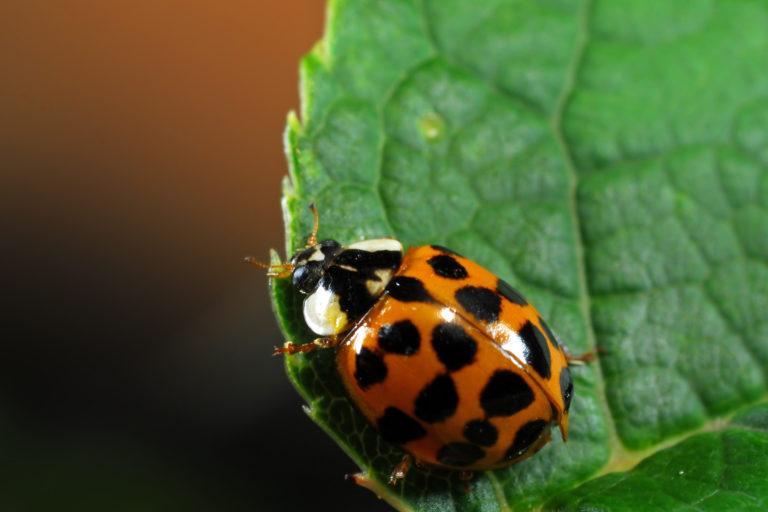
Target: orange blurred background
[(141, 146)]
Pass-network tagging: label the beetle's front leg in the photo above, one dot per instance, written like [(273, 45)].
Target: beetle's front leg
[(291, 348)]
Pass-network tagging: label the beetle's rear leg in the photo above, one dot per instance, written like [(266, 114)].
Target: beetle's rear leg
[(582, 359), (402, 468), (399, 472)]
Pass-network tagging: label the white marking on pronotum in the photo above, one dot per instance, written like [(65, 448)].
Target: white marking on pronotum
[(376, 288), (384, 275), (317, 256), (377, 244)]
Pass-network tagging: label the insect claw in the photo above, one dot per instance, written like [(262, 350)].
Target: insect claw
[(581, 359), (278, 270), (399, 471), (466, 475), (288, 348), (291, 348)]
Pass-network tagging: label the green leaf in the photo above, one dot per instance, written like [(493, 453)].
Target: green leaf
[(609, 159), (726, 469)]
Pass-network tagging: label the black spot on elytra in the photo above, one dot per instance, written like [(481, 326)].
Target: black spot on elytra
[(445, 250), (525, 437), (303, 255), (397, 427), (437, 400), (454, 347), (566, 387), (510, 293), (447, 266), (369, 368), (459, 454), (481, 302), (481, 432), (399, 338), (408, 289), (549, 333), (537, 352), (505, 394)]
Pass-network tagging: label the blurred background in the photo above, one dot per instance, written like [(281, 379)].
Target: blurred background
[(141, 159)]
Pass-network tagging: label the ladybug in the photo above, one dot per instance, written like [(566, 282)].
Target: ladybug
[(441, 356)]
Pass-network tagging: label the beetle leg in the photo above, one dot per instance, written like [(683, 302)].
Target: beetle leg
[(465, 475), (291, 348), (278, 270), (399, 471), (582, 359)]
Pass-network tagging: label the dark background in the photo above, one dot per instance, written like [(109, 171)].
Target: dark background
[(141, 159)]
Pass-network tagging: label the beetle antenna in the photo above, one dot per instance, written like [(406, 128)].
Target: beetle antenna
[(312, 240)]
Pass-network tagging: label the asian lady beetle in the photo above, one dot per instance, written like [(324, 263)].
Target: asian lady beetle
[(441, 356)]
